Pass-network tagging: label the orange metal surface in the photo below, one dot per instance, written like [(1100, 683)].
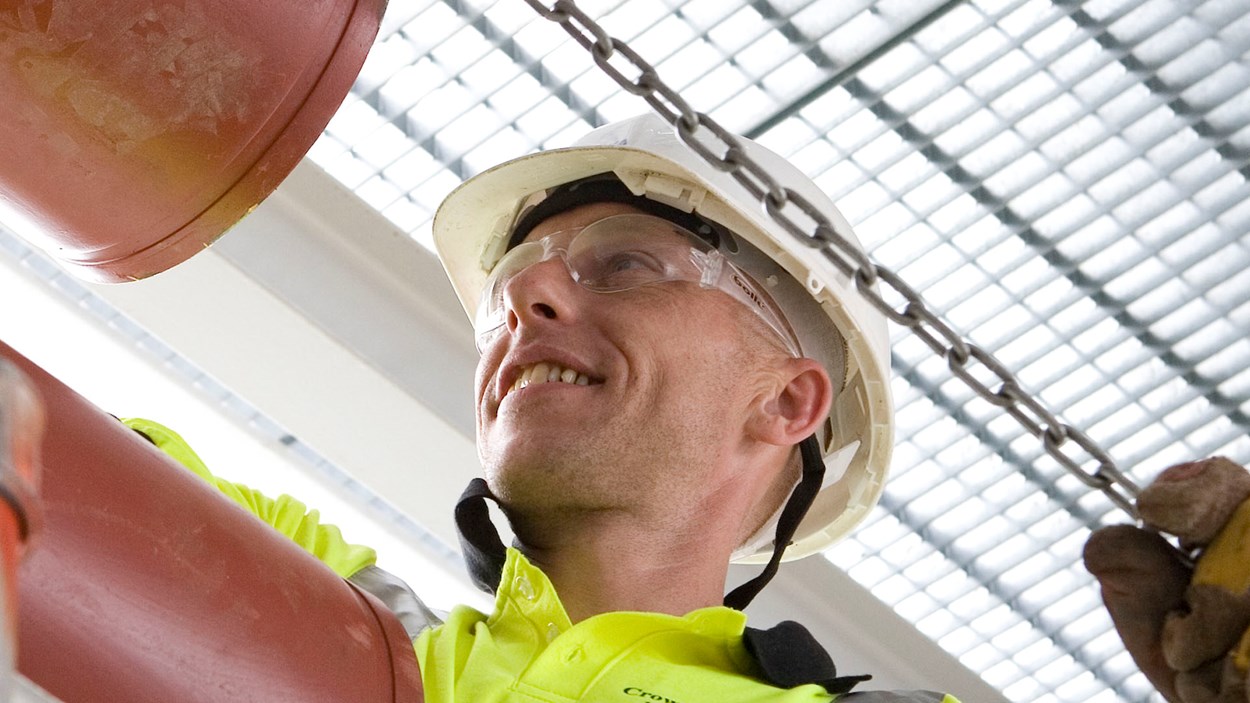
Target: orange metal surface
[(147, 585), (136, 132)]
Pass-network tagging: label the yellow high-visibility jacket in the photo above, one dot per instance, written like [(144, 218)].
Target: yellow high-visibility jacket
[(526, 649)]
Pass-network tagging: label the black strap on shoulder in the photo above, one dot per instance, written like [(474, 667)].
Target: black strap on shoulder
[(796, 507), (788, 656), (484, 553)]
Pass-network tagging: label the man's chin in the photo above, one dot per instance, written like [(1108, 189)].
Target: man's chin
[(539, 486), (543, 448)]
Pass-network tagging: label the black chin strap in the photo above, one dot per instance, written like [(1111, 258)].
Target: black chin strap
[(796, 507), (484, 552)]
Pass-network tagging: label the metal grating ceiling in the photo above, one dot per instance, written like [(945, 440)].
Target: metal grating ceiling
[(1065, 181)]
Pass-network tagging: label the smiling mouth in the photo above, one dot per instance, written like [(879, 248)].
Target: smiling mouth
[(546, 372)]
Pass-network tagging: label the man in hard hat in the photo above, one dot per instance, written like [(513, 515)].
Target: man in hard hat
[(668, 382)]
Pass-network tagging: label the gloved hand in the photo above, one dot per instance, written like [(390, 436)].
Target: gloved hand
[(1186, 629)]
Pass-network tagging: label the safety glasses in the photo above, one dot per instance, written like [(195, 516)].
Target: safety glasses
[(623, 252)]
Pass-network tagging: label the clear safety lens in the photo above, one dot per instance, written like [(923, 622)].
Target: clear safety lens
[(619, 253)]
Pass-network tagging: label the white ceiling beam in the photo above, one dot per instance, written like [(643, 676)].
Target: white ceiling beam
[(330, 322)]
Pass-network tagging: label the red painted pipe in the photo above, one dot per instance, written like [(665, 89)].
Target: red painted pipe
[(146, 585), (135, 132), (21, 432)]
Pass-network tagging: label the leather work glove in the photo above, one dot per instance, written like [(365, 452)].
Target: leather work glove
[(1186, 628)]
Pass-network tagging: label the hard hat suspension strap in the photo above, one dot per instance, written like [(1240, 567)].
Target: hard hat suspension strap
[(796, 507), (606, 188)]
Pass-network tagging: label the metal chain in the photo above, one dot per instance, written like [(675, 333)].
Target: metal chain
[(968, 362)]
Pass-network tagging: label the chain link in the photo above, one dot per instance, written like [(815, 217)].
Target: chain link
[(968, 362)]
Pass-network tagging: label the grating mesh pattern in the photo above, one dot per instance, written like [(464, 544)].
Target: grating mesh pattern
[(1065, 181)]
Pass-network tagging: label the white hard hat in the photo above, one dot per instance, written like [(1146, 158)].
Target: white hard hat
[(833, 323)]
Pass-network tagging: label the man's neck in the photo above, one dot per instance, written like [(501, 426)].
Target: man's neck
[(609, 565)]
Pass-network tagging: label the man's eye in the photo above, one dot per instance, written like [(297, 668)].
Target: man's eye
[(618, 268), (628, 261), (630, 267)]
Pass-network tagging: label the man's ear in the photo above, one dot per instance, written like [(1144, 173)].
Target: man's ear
[(795, 406)]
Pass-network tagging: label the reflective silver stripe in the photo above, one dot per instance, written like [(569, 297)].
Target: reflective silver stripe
[(895, 697), (413, 614)]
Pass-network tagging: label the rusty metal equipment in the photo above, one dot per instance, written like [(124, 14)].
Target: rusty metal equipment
[(133, 133), (145, 584)]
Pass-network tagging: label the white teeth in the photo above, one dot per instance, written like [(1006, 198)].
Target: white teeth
[(538, 374), (544, 372)]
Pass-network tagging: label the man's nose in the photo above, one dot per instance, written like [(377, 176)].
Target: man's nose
[(542, 293)]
